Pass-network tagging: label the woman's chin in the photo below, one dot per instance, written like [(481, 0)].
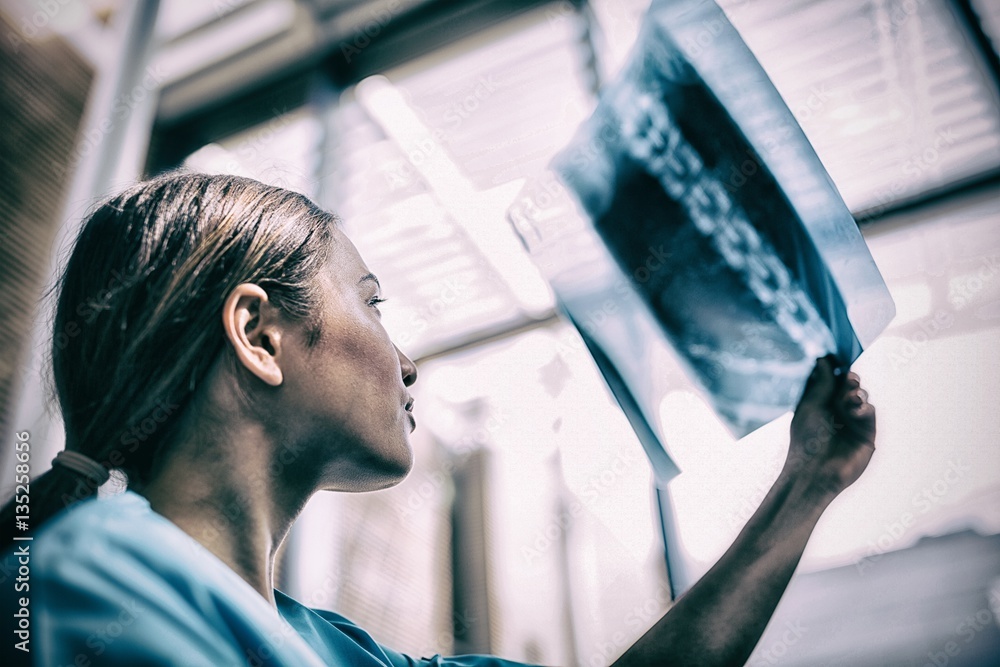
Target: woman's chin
[(395, 472), (400, 468), (376, 472)]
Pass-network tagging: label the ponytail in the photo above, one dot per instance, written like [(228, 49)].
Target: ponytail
[(137, 325), (48, 494)]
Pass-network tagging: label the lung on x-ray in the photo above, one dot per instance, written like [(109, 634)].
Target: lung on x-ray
[(691, 213)]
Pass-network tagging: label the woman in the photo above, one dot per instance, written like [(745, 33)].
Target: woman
[(218, 341)]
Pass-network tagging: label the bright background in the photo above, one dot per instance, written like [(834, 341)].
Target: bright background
[(530, 526)]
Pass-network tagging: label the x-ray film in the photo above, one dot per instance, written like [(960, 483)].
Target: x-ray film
[(690, 212)]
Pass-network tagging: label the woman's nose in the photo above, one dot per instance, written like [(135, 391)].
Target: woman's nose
[(408, 368)]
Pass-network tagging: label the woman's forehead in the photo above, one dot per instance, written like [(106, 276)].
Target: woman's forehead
[(347, 263)]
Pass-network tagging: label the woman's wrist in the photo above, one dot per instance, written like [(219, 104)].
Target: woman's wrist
[(807, 488)]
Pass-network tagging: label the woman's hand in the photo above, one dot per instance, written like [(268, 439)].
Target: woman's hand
[(721, 619), (833, 432)]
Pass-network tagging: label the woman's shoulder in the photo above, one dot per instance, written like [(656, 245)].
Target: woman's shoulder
[(337, 639), (91, 533), (107, 533), (123, 516), (110, 579)]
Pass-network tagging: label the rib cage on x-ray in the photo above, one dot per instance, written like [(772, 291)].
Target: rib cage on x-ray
[(690, 211)]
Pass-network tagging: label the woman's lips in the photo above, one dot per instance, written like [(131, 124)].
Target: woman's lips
[(409, 413)]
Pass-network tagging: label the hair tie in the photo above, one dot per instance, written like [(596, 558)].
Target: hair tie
[(82, 464)]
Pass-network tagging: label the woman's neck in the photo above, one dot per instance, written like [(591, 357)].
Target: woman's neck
[(228, 502)]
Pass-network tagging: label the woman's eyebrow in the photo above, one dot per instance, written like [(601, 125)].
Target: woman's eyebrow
[(370, 276)]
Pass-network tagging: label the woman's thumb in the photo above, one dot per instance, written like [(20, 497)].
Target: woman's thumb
[(821, 383)]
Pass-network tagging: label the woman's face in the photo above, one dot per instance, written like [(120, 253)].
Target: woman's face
[(349, 391)]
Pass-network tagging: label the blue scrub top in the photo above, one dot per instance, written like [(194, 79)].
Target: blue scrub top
[(112, 582)]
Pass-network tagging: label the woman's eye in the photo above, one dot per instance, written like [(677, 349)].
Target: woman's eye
[(375, 301)]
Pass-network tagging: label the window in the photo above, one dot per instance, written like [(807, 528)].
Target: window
[(530, 493)]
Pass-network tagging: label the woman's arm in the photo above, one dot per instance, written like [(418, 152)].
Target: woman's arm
[(720, 620)]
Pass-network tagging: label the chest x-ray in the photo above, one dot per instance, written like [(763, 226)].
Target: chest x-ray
[(690, 213)]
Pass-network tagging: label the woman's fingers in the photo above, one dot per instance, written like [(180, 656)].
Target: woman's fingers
[(856, 396), (861, 410), (853, 403), (851, 393), (858, 413)]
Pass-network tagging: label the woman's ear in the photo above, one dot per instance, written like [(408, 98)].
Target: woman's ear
[(253, 327)]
